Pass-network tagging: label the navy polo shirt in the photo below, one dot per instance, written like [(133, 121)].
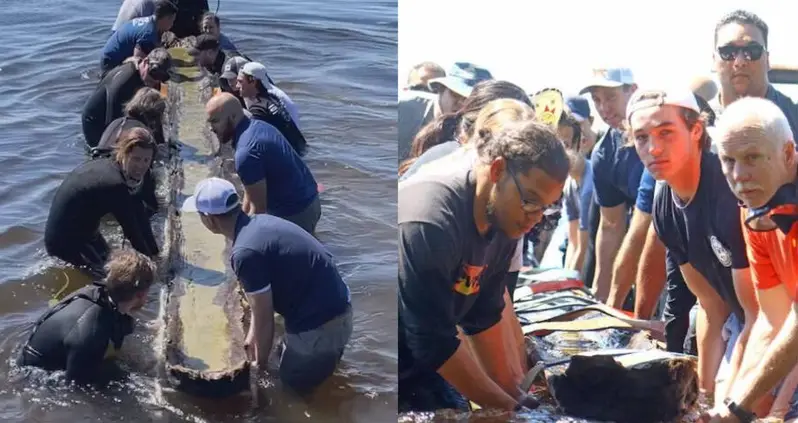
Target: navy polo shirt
[(262, 152), (705, 232), (616, 170), (270, 253), (140, 32)]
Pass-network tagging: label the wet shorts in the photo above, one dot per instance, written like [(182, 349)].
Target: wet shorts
[(309, 358)]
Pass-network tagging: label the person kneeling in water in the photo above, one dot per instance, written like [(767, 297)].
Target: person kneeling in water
[(94, 189), (144, 111), (282, 269), (89, 325)]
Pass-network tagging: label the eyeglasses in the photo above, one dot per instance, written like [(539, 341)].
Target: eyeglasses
[(750, 51), (532, 206)]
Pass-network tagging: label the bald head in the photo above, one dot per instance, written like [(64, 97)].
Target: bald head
[(224, 104), (224, 113)]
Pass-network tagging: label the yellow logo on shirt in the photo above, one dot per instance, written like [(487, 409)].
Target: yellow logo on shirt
[(468, 282)]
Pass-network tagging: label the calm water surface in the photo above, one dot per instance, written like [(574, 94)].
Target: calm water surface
[(337, 60)]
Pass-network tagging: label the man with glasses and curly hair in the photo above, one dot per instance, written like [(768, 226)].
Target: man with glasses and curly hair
[(458, 231)]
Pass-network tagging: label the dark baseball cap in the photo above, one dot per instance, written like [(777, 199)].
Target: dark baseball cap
[(232, 66), (204, 42), (579, 107)]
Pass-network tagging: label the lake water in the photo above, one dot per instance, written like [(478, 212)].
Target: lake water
[(337, 60)]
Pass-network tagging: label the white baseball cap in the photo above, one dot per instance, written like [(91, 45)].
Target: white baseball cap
[(255, 70), (212, 196), (680, 97), (609, 78)]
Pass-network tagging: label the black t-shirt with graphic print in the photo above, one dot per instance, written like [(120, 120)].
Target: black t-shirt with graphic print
[(706, 232), (449, 274)]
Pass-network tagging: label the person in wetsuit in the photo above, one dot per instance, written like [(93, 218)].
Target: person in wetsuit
[(118, 87), (228, 79), (209, 24), (89, 325), (137, 37), (209, 54), (144, 111), (270, 104), (97, 188)]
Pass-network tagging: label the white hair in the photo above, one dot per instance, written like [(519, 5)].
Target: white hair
[(749, 111)]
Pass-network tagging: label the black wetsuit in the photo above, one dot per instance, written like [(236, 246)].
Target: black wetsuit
[(108, 101), (188, 16), (76, 334), (88, 193), (146, 191), (272, 110)]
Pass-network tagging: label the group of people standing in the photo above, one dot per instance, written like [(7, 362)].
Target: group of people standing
[(280, 264), (689, 188)]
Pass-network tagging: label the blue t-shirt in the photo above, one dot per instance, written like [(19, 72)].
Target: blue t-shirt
[(616, 170), (270, 253), (645, 193), (706, 232), (577, 198), (262, 152), (122, 43)]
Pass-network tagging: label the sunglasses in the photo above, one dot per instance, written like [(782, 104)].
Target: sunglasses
[(750, 51), (781, 212), (532, 206)]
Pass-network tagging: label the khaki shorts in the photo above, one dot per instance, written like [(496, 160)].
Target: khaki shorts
[(308, 218), (309, 358)]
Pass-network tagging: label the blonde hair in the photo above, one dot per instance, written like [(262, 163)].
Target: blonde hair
[(497, 114)]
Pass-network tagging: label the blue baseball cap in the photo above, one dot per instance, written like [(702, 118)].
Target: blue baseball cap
[(212, 196), (579, 107), (461, 78), (609, 78)]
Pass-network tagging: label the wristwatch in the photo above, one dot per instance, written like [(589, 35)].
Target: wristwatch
[(742, 414)]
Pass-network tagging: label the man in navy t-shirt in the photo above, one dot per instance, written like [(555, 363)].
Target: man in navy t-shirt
[(138, 37), (691, 217), (616, 172), (282, 269), (276, 180)]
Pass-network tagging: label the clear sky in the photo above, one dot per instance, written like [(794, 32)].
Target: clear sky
[(556, 43)]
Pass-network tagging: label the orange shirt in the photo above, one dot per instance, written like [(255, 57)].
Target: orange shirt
[(773, 257)]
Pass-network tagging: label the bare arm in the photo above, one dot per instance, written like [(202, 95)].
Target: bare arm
[(573, 244), (261, 329), (777, 362), (608, 241), (650, 275), (744, 288), (497, 352), (255, 197), (625, 268), (712, 315), (470, 379)]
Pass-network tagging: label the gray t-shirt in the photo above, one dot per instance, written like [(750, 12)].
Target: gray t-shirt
[(449, 274), (132, 9), (416, 109)]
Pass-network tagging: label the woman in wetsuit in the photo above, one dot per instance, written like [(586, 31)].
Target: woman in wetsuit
[(144, 110), (95, 189), (76, 334)]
